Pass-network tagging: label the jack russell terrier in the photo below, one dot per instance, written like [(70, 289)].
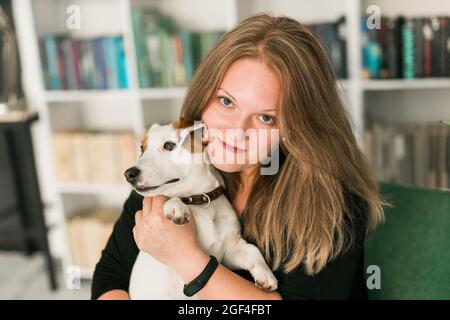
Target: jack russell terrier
[(193, 188)]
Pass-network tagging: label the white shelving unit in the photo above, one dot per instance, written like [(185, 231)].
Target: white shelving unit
[(416, 84), (135, 108)]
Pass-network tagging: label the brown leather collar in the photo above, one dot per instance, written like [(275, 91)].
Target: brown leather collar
[(203, 199)]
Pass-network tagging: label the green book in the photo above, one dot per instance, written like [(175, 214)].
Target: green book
[(141, 53), (185, 37), (408, 50)]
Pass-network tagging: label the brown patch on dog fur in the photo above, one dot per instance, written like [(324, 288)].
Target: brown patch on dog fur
[(186, 123), (144, 143)]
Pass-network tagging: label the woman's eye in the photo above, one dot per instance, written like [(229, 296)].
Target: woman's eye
[(267, 119), (225, 101), (169, 145)]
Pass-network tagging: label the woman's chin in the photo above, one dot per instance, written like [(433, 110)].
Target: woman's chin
[(228, 167), (225, 161)]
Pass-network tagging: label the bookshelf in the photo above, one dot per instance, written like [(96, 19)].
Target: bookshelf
[(416, 84), (135, 108), (90, 188)]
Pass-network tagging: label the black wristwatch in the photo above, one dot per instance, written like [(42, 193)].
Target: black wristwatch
[(200, 281)]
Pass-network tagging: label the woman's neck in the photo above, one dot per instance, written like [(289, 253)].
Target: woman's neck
[(247, 177), (241, 196)]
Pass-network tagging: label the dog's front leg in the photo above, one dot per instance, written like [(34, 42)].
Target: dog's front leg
[(240, 254), (175, 210)]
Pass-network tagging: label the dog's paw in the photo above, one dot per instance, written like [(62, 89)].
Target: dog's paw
[(176, 211), (264, 278)]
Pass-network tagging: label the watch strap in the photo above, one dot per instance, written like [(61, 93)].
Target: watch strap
[(200, 281)]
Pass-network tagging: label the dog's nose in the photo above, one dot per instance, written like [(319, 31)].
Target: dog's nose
[(132, 174)]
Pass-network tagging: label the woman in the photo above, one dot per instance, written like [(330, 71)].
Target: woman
[(310, 218)]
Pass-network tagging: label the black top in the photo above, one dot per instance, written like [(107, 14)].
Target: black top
[(342, 278)]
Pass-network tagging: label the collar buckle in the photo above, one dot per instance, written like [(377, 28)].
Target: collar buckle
[(205, 197)]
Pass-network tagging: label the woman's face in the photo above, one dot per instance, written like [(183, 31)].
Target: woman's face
[(241, 116)]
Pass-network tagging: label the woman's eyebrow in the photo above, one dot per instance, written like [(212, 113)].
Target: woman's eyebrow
[(227, 93), (269, 110), (236, 100)]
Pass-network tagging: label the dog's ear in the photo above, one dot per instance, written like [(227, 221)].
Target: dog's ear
[(201, 129), (195, 138)]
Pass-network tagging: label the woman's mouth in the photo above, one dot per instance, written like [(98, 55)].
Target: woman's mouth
[(231, 148)]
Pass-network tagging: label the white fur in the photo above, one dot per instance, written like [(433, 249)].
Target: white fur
[(218, 227)]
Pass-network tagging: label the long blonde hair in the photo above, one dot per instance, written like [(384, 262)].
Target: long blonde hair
[(300, 214)]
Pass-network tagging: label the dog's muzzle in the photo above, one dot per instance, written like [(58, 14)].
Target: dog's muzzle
[(144, 189)]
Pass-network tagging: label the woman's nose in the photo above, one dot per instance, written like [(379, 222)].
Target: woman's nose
[(241, 124), (236, 134)]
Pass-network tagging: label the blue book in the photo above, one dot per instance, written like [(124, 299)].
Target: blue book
[(111, 63), (100, 67), (69, 64), (372, 51), (121, 62), (52, 61)]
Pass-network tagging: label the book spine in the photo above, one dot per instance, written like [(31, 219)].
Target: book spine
[(52, 55), (418, 48), (121, 62), (76, 63), (408, 49)]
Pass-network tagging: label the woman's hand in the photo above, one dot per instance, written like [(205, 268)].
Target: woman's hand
[(164, 240)]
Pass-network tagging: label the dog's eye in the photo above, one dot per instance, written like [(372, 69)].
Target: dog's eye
[(169, 145), (142, 149)]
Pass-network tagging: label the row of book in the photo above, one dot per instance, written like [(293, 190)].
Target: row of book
[(333, 37), (71, 64), (93, 157), (165, 55), (88, 233), (408, 48), (410, 154)]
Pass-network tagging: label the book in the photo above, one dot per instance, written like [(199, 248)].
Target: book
[(71, 64), (333, 38), (93, 157), (418, 48), (51, 54), (410, 154), (406, 47), (88, 232), (167, 56)]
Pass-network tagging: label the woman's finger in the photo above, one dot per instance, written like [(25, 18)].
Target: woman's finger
[(157, 204), (138, 217), (147, 206), (135, 236)]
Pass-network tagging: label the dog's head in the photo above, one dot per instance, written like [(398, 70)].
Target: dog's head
[(172, 159)]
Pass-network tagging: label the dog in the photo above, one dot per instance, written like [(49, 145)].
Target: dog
[(194, 188)]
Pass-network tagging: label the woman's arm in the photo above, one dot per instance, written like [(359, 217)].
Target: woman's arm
[(177, 246), (224, 284), (115, 295)]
